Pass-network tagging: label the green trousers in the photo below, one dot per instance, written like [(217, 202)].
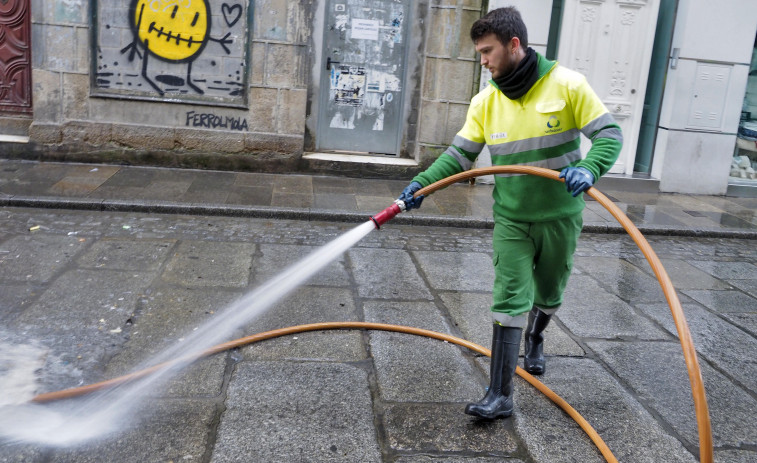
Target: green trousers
[(532, 263)]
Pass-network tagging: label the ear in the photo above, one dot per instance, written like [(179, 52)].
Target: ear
[(516, 44)]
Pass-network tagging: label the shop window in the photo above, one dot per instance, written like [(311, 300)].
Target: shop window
[(744, 164)]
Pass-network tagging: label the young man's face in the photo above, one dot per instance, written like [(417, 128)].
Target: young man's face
[(499, 59)]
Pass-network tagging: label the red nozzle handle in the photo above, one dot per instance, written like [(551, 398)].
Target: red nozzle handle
[(386, 215)]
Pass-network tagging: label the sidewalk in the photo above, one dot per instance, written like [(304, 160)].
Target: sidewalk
[(306, 197)]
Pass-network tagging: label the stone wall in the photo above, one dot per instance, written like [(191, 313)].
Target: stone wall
[(95, 100), (229, 106), (451, 73)]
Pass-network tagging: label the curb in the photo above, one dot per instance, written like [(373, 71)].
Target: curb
[(308, 214)]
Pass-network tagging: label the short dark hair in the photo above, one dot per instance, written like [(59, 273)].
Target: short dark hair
[(505, 23)]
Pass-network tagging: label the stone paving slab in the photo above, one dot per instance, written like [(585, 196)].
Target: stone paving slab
[(684, 275), (126, 254), (13, 300), (746, 321), (664, 387), (471, 315), (285, 411), (748, 286), (634, 433), (457, 270), (440, 429), (80, 319), (387, 274), (173, 430), (415, 369), (165, 317), (430, 459), (728, 270), (424, 315), (224, 264), (275, 258), (21, 263), (327, 346), (621, 278), (722, 343), (611, 317), (305, 305), (724, 302), (736, 456)]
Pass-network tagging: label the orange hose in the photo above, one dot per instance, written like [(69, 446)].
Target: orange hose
[(590, 431), (684, 335)]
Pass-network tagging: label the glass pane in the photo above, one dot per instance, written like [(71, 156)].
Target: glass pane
[(744, 164)]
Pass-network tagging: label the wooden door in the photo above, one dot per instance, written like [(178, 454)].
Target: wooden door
[(15, 57)]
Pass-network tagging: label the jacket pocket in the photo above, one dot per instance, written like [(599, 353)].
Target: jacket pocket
[(550, 106)]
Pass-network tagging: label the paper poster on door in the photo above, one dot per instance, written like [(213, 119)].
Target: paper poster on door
[(366, 29), (382, 82), (348, 85)]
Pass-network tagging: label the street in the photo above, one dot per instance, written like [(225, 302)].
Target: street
[(88, 296)]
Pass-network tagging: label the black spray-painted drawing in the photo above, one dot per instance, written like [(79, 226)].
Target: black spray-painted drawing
[(173, 48)]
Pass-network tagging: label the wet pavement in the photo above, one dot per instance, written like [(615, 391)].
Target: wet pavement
[(305, 197), (96, 281)]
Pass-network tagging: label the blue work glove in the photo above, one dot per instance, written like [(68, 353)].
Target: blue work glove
[(577, 179), (407, 196)]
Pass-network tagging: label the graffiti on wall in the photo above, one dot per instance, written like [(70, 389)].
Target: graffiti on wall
[(176, 50)]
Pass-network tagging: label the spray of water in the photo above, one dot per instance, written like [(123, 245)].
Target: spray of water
[(18, 362), (103, 413)]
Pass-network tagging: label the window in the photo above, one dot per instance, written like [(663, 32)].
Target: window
[(744, 164)]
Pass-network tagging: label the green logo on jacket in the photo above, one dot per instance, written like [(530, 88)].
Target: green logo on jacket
[(553, 122)]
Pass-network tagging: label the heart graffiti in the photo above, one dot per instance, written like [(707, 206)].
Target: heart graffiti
[(231, 13)]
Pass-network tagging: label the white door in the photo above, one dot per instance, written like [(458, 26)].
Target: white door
[(610, 42)]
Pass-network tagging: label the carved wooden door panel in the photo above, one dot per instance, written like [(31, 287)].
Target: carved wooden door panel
[(15, 57), (610, 42)]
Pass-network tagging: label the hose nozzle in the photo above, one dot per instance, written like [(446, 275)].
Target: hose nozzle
[(387, 214)]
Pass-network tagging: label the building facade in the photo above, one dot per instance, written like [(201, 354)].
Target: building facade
[(363, 87)]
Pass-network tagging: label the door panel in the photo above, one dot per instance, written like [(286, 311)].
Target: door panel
[(362, 76), (610, 42), (15, 57)]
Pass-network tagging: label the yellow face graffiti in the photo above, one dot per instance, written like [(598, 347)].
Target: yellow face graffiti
[(175, 30)]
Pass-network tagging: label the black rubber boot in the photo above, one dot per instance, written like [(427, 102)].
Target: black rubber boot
[(498, 401), (533, 360)]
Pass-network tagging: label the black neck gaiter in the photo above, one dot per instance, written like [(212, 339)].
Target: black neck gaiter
[(518, 82)]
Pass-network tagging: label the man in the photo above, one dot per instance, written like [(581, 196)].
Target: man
[(532, 113)]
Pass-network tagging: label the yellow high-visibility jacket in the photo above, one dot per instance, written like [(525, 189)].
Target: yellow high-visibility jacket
[(542, 128)]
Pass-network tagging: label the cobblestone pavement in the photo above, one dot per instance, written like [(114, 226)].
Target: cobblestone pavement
[(89, 295)]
